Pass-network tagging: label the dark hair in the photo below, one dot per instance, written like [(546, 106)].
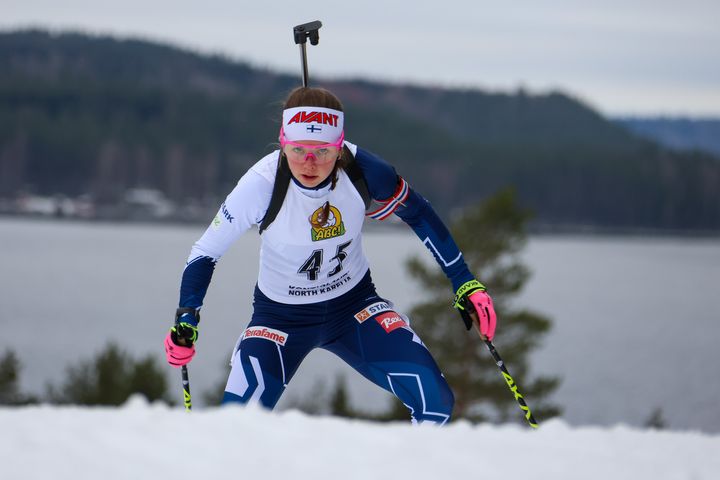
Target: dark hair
[(318, 97), (312, 97)]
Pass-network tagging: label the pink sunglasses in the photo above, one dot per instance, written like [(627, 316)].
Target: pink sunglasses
[(322, 153)]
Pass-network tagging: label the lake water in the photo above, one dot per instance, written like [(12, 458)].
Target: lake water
[(636, 322)]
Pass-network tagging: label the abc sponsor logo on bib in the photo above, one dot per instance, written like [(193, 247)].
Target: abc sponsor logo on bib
[(326, 222)]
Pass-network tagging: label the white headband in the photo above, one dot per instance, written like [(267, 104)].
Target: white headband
[(313, 123)]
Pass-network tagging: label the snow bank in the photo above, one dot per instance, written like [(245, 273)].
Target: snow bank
[(140, 441)]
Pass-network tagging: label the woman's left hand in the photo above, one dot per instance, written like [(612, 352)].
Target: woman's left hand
[(476, 306), (486, 317)]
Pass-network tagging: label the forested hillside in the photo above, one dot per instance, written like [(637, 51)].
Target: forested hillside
[(95, 115)]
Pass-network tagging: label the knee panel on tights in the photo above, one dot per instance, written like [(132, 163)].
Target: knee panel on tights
[(425, 393), (257, 375)]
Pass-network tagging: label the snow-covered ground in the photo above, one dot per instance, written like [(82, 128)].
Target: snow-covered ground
[(140, 441)]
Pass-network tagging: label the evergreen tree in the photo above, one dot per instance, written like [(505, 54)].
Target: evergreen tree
[(9, 381), (491, 236), (110, 378), (340, 406), (339, 402), (656, 420), (397, 412), (213, 397), (9, 376)]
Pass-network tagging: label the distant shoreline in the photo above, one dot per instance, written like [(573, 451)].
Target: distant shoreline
[(534, 229)]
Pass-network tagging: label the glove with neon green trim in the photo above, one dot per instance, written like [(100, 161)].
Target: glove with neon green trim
[(472, 299), (180, 341)]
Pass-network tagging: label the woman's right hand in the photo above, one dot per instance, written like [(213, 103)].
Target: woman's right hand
[(177, 355), (180, 340)]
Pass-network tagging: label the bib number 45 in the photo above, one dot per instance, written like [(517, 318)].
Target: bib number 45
[(311, 267)]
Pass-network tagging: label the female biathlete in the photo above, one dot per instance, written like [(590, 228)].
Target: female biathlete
[(314, 288)]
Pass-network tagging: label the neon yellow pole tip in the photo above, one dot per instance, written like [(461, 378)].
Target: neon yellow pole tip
[(187, 399), (512, 385)]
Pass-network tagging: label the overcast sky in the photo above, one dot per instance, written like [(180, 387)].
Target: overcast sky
[(622, 57)]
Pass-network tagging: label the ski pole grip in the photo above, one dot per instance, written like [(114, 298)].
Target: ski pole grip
[(472, 314)]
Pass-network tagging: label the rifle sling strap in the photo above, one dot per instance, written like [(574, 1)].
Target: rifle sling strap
[(283, 177)]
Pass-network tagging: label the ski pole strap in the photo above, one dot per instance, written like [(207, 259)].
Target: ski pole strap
[(185, 310), (185, 329), (466, 289), (283, 177)]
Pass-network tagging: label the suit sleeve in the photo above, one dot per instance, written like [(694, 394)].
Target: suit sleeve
[(243, 207), (394, 195)]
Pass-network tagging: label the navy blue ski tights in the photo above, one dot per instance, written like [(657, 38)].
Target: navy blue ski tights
[(359, 327)]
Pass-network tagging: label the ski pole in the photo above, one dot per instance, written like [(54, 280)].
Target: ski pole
[(186, 388), (301, 33), (511, 384)]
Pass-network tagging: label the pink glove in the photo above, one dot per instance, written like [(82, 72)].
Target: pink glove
[(486, 313), (177, 355)]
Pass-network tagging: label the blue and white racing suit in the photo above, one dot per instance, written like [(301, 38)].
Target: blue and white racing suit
[(314, 287)]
